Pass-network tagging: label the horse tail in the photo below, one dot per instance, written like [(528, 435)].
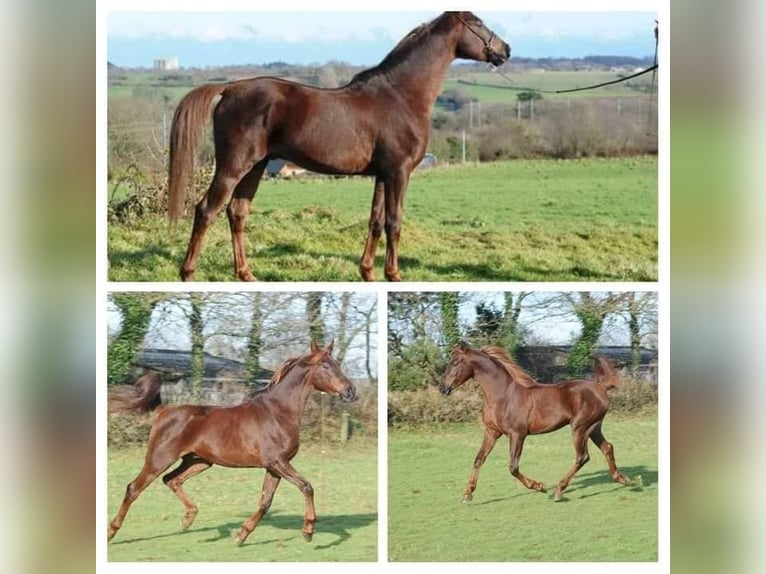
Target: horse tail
[(189, 119), (143, 396), (606, 374)]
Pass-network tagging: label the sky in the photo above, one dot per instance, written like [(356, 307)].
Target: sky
[(207, 39)]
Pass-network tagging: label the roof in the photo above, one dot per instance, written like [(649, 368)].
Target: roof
[(172, 361)]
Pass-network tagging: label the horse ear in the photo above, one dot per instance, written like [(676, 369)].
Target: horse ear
[(462, 346), (314, 346), (330, 347)]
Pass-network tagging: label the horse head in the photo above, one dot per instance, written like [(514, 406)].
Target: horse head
[(477, 42), (458, 371), (326, 375)]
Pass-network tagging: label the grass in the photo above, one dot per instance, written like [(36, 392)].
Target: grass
[(598, 520), (532, 220), (345, 484), (548, 81)]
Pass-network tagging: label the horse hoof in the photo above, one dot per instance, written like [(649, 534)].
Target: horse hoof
[(394, 277), (557, 496), (247, 276), (110, 534), (307, 536), (367, 274), (541, 487), (467, 497)]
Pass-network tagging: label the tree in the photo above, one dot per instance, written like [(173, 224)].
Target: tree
[(641, 311), (197, 344), (136, 312), (449, 302), (253, 359), (591, 310), (314, 317)]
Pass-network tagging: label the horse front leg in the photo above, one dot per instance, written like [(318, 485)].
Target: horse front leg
[(377, 217), (395, 188), (490, 438), (270, 484), (516, 445), (285, 470)]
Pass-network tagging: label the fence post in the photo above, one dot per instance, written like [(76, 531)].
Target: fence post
[(344, 426)]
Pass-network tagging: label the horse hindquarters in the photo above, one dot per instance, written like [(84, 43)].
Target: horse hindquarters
[(164, 449)]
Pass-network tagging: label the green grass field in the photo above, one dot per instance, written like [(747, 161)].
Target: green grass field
[(345, 485), (547, 81), (598, 520), (532, 220)]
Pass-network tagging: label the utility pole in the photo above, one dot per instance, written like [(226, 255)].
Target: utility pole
[(463, 146)]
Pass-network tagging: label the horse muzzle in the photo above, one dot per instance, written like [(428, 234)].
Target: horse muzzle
[(349, 395), (445, 390), (498, 58)]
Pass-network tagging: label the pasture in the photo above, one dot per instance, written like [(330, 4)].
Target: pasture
[(598, 520), (530, 220), (345, 484)]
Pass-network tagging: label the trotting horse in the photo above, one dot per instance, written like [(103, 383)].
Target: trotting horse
[(261, 432), (516, 405), (377, 125)]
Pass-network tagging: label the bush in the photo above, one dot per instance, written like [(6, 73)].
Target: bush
[(507, 139), (632, 395), (428, 406), (418, 367)]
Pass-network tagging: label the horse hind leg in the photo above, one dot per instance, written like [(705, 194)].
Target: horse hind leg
[(191, 465), (580, 441), (377, 220), (237, 212), (227, 175), (608, 451), (151, 470)]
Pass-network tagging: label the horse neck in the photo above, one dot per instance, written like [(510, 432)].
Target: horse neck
[(492, 380), (291, 393), (424, 68)]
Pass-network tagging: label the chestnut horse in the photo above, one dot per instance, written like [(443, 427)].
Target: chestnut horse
[(262, 432), (377, 125), (516, 405)]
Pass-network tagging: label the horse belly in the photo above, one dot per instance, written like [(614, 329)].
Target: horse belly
[(332, 138), (229, 441)]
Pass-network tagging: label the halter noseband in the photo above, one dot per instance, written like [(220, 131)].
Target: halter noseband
[(487, 48)]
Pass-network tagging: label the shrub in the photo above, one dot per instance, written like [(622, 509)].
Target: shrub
[(428, 406), (632, 395)]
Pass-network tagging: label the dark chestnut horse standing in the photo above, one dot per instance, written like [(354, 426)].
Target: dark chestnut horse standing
[(376, 125), (516, 405), (261, 432)]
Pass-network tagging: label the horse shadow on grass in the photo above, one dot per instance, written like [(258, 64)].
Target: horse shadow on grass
[(340, 525), (145, 258), (587, 480), (459, 270)]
